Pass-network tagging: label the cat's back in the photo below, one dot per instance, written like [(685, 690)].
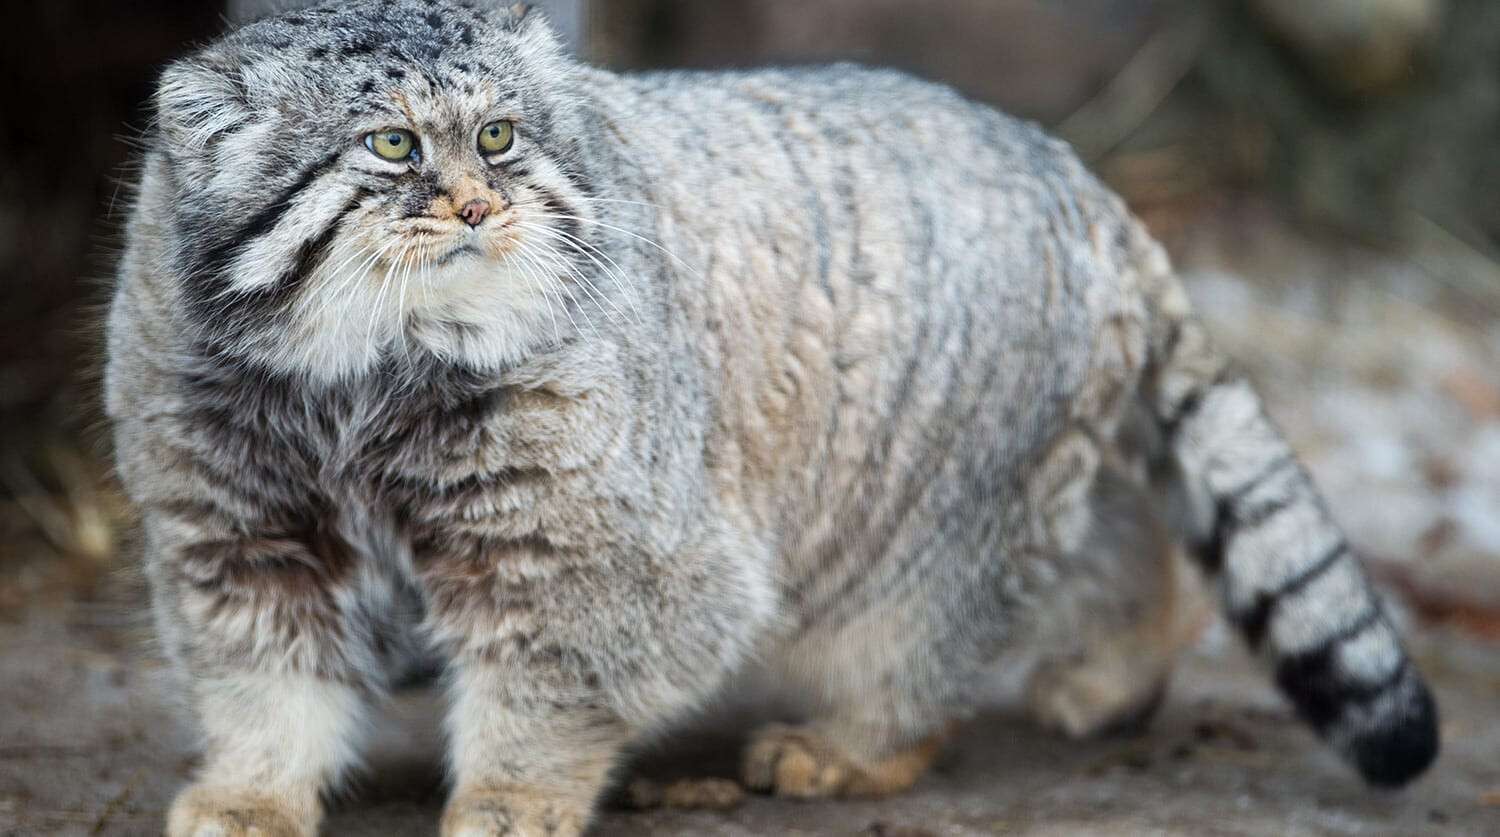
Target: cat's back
[(728, 126), (879, 257), (850, 174), (833, 103)]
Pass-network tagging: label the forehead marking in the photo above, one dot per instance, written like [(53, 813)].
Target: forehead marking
[(401, 102)]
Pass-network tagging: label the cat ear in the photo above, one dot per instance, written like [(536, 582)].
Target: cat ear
[(515, 17), (199, 100), (531, 23)]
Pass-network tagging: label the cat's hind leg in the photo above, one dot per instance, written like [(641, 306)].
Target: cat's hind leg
[(1117, 621), (873, 707)]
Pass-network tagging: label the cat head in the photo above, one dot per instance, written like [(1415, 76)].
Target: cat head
[(361, 178)]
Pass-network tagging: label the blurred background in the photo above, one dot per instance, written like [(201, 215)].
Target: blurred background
[(1324, 173)]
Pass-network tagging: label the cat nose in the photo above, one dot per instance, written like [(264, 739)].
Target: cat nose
[(474, 211)]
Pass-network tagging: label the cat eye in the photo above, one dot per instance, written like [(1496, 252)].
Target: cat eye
[(497, 137), (394, 144)]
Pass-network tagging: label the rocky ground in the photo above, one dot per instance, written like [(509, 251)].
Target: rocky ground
[(1382, 371)]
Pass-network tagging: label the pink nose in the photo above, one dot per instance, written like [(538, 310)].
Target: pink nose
[(474, 211)]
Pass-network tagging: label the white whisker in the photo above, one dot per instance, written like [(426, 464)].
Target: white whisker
[(374, 340), (564, 287), (408, 257), (614, 200), (425, 277), (589, 287), (616, 275), (637, 236), (540, 284)]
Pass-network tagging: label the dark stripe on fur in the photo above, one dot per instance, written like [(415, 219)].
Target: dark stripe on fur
[(555, 207), (1276, 466), (1191, 403), (313, 251), (1310, 574), (881, 519), (1185, 411), (1353, 630), (228, 317), (1389, 743), (1229, 523), (1210, 553), (1321, 693), (1254, 619), (1229, 519), (1256, 516), (220, 257), (1174, 336)]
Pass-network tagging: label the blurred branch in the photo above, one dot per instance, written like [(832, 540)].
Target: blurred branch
[(1140, 87), (1459, 264)]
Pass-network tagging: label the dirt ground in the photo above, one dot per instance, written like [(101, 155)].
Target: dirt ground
[(89, 745)]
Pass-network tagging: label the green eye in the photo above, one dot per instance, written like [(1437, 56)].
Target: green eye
[(496, 137), (393, 144)]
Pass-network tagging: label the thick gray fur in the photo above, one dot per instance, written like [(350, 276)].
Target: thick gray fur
[(806, 376)]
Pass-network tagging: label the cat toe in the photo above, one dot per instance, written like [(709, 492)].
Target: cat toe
[(217, 812), (488, 813)]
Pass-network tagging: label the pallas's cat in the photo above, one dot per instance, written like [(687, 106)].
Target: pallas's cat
[(433, 347)]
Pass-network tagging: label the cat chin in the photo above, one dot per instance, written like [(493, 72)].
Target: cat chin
[(473, 311), (486, 313), (466, 268), (490, 345)]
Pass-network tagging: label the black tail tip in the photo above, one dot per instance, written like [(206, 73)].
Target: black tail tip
[(1399, 750)]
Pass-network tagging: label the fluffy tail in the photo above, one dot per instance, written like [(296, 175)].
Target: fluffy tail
[(1289, 578)]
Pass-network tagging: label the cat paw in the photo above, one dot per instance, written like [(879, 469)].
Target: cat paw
[(791, 762), (799, 763), (707, 794), (1092, 701), (207, 811), (512, 813)]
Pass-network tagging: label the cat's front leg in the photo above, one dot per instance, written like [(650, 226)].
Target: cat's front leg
[(277, 671), (273, 743), (558, 659), (530, 751)]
